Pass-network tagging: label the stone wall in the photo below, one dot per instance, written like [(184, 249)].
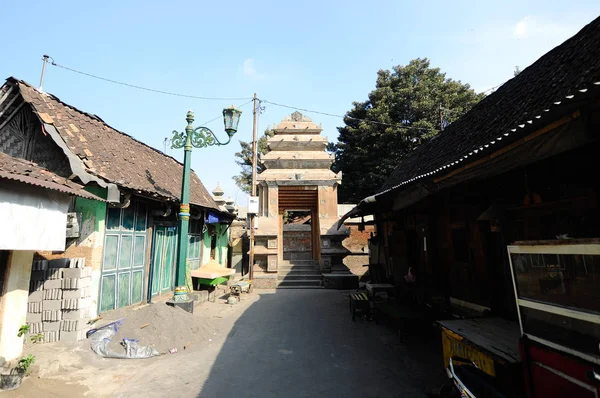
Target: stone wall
[(266, 281), (297, 242), (357, 243)]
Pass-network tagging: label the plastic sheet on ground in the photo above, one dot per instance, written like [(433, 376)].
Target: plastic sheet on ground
[(101, 337)]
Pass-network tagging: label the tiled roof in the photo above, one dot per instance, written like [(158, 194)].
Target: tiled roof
[(113, 155), (538, 95), (30, 173)]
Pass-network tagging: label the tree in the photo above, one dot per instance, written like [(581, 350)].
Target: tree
[(409, 105), (516, 71), (244, 159)]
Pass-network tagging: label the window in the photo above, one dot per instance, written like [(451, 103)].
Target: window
[(568, 280)]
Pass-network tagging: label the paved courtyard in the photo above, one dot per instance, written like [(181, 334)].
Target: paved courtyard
[(288, 343)]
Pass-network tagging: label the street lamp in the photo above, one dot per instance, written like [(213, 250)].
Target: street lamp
[(198, 137)]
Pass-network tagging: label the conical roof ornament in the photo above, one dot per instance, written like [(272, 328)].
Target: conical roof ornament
[(218, 191)]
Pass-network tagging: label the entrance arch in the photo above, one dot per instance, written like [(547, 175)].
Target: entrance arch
[(295, 239)]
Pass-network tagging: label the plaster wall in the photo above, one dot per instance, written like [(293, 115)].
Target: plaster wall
[(13, 307), (32, 218)]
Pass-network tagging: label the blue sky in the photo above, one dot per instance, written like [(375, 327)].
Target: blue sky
[(319, 55)]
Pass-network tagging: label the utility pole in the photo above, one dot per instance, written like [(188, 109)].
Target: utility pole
[(254, 149), (441, 120), (45, 59)]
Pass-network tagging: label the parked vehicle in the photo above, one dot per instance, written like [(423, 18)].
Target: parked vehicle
[(472, 382)]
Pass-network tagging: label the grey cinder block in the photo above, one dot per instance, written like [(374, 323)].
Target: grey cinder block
[(33, 318), (34, 308), (59, 263), (36, 297), (51, 315), (51, 305), (52, 284), (51, 326)]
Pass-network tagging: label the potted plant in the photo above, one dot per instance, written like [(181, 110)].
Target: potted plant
[(15, 375), (11, 378)]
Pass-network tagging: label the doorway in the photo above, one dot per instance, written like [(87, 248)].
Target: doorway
[(164, 257), (299, 236)]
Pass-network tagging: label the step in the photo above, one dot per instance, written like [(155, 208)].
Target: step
[(300, 287), (298, 272), (294, 277), (298, 262), (297, 283), (298, 268)]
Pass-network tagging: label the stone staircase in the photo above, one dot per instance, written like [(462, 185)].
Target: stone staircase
[(299, 274)]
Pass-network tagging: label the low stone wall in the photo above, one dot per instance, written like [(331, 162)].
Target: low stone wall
[(340, 281), (357, 264), (265, 281)]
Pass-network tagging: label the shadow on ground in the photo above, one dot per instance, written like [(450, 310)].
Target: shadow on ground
[(299, 343)]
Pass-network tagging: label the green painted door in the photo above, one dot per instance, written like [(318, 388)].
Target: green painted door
[(124, 259), (163, 266)]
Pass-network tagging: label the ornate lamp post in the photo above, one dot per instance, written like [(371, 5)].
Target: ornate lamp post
[(198, 137)]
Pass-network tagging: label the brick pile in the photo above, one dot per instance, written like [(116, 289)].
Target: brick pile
[(60, 300)]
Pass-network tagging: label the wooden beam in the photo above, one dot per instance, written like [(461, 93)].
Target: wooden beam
[(6, 94), (512, 146), (14, 98), (9, 118)]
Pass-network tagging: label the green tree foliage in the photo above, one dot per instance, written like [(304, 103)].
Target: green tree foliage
[(405, 110), (244, 160)]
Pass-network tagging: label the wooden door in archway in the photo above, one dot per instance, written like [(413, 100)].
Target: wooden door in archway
[(303, 198)]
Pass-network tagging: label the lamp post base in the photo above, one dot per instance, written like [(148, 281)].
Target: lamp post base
[(187, 305), (181, 294)]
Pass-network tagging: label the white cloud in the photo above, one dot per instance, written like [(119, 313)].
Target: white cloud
[(521, 29), (250, 70)]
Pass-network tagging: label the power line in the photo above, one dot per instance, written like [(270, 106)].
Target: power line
[(220, 116), (145, 88), (399, 126), (493, 88), (349, 117)]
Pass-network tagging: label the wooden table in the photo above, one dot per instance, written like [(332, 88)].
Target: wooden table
[(374, 288), (486, 341)]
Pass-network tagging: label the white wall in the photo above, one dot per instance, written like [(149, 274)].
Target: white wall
[(13, 309), (32, 218)]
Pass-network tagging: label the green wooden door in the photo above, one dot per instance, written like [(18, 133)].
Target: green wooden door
[(163, 266), (124, 259)]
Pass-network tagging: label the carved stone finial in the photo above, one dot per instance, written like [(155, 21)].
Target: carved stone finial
[(296, 116)]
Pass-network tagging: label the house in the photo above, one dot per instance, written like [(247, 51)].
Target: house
[(518, 170), (34, 203), (130, 239)]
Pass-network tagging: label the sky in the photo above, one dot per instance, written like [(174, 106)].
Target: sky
[(317, 55)]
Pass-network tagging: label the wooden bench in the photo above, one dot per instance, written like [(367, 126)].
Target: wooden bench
[(359, 302)]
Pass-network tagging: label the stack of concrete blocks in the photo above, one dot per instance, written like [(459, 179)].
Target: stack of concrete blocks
[(59, 300)]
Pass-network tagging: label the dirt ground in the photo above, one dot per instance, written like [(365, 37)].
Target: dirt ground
[(74, 370), (273, 343)]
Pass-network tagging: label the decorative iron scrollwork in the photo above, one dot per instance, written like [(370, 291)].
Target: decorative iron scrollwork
[(178, 140), (202, 137)]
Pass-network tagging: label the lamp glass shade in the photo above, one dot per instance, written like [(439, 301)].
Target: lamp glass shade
[(231, 118)]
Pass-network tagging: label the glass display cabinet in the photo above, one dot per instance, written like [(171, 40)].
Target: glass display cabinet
[(557, 291)]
